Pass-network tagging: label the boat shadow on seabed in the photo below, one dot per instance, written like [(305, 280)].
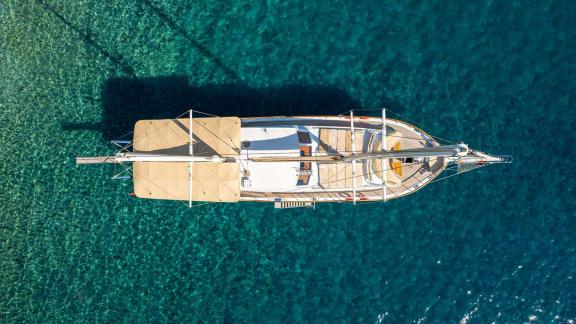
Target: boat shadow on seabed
[(127, 100)]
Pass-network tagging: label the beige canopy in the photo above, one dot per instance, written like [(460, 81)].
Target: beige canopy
[(170, 180), (211, 181), (212, 136)]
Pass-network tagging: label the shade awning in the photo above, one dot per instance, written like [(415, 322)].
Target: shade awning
[(211, 181), (217, 182), (212, 136)]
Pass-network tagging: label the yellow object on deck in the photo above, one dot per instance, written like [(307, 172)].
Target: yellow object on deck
[(397, 167), (397, 164)]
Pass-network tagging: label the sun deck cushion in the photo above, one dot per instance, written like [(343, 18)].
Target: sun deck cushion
[(339, 141)]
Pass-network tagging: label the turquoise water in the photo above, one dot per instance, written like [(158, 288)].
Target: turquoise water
[(497, 244)]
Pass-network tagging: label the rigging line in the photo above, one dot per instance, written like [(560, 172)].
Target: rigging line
[(132, 132), (126, 168), (401, 195), (415, 123), (166, 192), (375, 109), (121, 137), (203, 204), (409, 120), (362, 175), (115, 168), (218, 137), (163, 139), (406, 137), (455, 174), (199, 124), (295, 154), (236, 148), (174, 198), (444, 140), (451, 168), (206, 128), (165, 124), (363, 109), (201, 152), (205, 113), (345, 112), (420, 181), (172, 119), (446, 177), (125, 148), (241, 161), (403, 118), (342, 151), (407, 189), (122, 146), (400, 135), (222, 182)]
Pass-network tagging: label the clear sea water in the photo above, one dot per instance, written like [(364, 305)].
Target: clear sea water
[(498, 244)]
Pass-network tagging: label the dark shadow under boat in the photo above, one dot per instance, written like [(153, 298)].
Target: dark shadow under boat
[(127, 100)]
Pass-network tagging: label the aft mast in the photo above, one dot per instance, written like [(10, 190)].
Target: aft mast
[(191, 152), (353, 152), (383, 144)]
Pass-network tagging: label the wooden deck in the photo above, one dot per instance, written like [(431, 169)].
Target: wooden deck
[(336, 178)]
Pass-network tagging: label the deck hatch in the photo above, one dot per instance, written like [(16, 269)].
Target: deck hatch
[(304, 137)]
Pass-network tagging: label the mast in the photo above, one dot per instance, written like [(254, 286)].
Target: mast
[(455, 151), (191, 152), (384, 144), (144, 157), (353, 152), (433, 151)]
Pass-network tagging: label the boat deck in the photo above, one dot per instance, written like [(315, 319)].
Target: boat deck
[(336, 179)]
